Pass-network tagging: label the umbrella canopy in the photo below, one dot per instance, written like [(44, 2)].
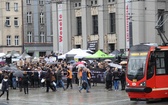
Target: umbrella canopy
[(80, 65), (18, 73), (71, 61), (115, 65), (99, 54), (13, 53), (115, 53), (10, 67)]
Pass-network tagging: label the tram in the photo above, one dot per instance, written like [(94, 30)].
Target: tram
[(147, 72), (147, 69)]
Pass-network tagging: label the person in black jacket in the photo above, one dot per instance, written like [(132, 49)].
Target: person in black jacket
[(109, 79), (5, 87), (48, 80), (116, 79), (25, 80), (122, 79)]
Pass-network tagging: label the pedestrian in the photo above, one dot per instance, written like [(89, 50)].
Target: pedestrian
[(59, 77), (116, 79), (108, 79), (5, 87), (48, 80), (25, 83), (69, 77), (84, 81), (122, 79), (89, 77), (80, 69)]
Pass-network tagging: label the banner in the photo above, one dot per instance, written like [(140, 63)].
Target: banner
[(92, 45), (60, 28), (128, 21)]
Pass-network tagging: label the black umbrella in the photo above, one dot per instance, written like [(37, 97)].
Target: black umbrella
[(10, 67), (18, 73), (115, 53)]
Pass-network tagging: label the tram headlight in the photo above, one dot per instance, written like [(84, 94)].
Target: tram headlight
[(142, 84), (127, 84)]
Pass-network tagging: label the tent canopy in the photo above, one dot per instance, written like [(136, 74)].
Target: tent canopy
[(13, 53), (73, 51), (2, 54), (81, 55), (24, 55), (99, 54)]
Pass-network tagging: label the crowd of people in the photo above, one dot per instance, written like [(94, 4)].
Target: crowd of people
[(52, 76)]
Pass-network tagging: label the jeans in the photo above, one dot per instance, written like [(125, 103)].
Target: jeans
[(62, 83), (87, 89), (116, 84), (14, 83)]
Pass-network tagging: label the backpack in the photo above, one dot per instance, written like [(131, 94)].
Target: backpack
[(84, 85)]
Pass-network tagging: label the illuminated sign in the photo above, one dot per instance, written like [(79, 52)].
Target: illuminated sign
[(139, 54)]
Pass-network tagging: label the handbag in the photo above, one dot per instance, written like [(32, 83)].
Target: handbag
[(42, 80), (0, 86)]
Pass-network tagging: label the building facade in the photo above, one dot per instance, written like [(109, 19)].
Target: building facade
[(37, 20), (11, 26), (105, 24)]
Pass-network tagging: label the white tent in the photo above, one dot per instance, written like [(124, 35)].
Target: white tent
[(24, 55), (2, 54), (81, 55), (73, 51)]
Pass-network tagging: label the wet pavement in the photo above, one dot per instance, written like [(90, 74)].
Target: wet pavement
[(98, 96)]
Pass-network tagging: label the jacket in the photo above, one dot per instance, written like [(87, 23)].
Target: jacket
[(5, 84)]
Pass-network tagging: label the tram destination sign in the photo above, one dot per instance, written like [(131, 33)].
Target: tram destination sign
[(139, 54)]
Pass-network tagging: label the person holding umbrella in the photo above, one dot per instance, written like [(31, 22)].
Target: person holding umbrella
[(5, 87)]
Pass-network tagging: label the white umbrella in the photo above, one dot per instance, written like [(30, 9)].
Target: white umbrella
[(80, 65), (107, 60), (115, 65)]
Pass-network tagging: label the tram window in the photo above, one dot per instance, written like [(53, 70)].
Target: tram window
[(160, 63), (150, 71)]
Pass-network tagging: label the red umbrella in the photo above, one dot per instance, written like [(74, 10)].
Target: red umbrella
[(79, 63)]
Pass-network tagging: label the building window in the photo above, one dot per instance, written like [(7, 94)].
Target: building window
[(7, 6), (41, 18), (91, 2), (7, 23), (95, 1), (75, 4), (16, 40), (16, 23), (112, 23), (79, 25), (42, 37), (15, 6), (41, 2), (29, 17), (29, 37), (79, 4), (28, 2), (8, 40), (95, 24)]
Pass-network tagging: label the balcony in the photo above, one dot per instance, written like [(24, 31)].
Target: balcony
[(77, 40), (111, 38)]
